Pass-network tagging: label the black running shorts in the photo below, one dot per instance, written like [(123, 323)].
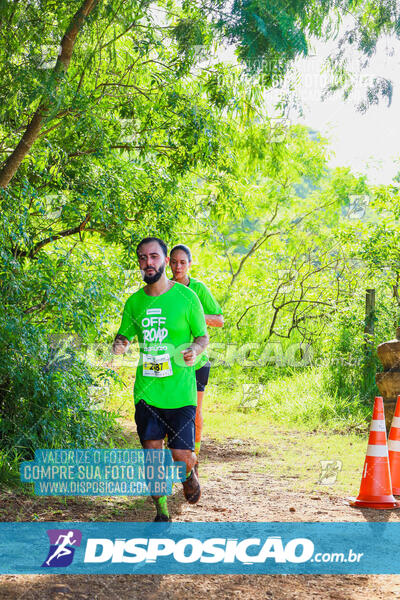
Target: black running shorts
[(177, 423), (202, 375)]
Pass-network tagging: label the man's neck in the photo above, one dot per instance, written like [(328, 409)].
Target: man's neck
[(159, 287)]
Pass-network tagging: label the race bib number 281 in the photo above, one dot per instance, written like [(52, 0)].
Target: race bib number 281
[(157, 366)]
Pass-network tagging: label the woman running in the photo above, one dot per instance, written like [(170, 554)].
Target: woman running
[(180, 263)]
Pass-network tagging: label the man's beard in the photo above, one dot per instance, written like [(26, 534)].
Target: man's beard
[(155, 277)]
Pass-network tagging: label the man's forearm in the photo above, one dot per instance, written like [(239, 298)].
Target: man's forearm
[(120, 344), (200, 343)]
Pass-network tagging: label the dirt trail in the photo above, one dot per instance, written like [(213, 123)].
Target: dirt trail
[(236, 487)]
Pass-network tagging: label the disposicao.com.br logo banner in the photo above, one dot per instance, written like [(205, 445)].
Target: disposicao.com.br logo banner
[(203, 548)]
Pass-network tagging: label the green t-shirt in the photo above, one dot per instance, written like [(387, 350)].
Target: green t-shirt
[(164, 325), (210, 307)]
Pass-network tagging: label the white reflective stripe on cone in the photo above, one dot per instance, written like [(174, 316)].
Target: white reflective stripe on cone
[(396, 422), (377, 450), (378, 425), (394, 445)]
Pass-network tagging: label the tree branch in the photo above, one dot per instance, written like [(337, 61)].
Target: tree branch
[(121, 146), (37, 307), (32, 131), (257, 244), (61, 234)]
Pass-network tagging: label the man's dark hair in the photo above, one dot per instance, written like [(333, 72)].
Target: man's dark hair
[(184, 248), (161, 243)]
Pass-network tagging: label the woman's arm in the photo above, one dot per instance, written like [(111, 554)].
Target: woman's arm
[(215, 320)]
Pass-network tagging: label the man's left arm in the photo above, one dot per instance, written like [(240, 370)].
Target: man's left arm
[(198, 346), (198, 328)]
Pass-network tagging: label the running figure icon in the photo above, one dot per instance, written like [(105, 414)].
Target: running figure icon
[(62, 549), (63, 545)]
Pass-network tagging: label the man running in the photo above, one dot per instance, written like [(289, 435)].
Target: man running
[(169, 322), (180, 263)]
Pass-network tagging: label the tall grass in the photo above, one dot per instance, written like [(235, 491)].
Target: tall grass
[(298, 398)]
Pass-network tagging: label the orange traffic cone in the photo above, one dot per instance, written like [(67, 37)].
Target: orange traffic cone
[(394, 449), (376, 485)]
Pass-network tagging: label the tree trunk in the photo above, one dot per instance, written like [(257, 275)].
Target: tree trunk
[(11, 165)]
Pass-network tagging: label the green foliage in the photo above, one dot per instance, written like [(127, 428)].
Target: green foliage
[(45, 398), (372, 22), (9, 467), (282, 268), (350, 355), (45, 402), (291, 266), (270, 34), (122, 129), (139, 136), (345, 352)]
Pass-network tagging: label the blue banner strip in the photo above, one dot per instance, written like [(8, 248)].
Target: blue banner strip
[(199, 548)]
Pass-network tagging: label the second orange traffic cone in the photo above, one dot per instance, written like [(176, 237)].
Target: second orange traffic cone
[(376, 485), (394, 449)]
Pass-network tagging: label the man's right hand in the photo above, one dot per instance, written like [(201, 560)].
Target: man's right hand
[(120, 344)]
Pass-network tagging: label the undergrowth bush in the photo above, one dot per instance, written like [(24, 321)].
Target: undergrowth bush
[(44, 398)]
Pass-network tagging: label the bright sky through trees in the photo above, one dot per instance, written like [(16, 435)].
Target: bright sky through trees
[(369, 142)]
